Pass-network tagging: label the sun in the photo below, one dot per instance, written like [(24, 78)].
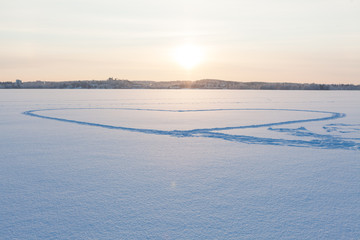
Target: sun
[(188, 55)]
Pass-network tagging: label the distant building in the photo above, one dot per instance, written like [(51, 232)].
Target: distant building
[(18, 82)]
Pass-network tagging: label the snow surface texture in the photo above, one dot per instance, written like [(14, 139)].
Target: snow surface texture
[(179, 164)]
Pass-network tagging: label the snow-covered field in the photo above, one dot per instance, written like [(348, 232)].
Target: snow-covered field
[(179, 164)]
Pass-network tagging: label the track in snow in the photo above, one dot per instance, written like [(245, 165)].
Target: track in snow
[(323, 141)]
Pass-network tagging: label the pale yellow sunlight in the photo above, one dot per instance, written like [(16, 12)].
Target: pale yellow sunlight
[(189, 55)]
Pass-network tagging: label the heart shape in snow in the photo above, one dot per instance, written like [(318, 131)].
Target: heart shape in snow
[(327, 141)]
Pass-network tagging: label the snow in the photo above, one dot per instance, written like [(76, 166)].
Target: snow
[(179, 164)]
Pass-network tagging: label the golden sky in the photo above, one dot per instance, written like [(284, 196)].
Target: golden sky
[(257, 40)]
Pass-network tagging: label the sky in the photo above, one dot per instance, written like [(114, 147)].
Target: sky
[(259, 40)]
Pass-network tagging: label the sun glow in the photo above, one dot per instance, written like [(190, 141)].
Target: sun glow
[(188, 55)]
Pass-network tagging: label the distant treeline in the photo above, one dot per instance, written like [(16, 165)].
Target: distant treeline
[(200, 84)]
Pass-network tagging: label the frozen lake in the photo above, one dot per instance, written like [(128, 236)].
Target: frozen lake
[(179, 164)]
